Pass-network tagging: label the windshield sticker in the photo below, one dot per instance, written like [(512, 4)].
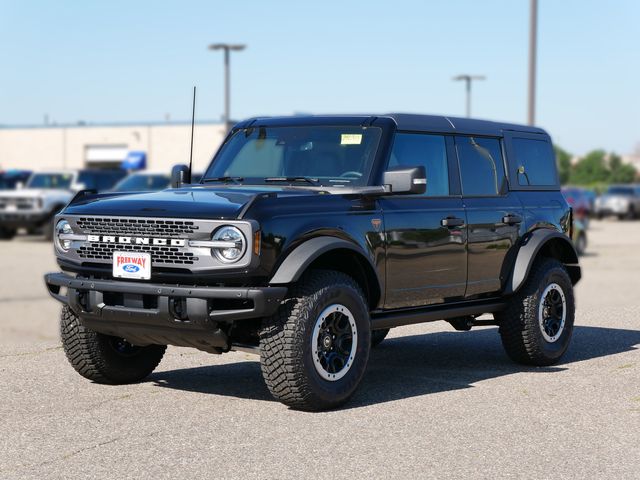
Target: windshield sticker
[(351, 139)]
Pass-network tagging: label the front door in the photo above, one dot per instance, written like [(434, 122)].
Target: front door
[(425, 235)]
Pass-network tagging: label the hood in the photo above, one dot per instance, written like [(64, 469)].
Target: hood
[(204, 202)]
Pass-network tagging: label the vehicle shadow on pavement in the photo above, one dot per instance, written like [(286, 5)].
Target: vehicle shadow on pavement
[(410, 366)]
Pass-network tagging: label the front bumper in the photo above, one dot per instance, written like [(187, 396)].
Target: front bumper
[(146, 313), (23, 219)]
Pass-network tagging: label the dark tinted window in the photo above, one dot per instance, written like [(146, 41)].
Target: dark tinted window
[(430, 151), (535, 162), (481, 167)]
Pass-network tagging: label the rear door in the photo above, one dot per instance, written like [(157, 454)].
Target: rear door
[(425, 234), (494, 215)]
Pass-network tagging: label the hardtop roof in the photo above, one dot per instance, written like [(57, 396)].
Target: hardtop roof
[(404, 121)]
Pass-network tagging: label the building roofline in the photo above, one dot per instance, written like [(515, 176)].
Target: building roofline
[(172, 123)]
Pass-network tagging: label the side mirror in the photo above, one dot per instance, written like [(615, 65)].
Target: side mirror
[(180, 175), (406, 180)]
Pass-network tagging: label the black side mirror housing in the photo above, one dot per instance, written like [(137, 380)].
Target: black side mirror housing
[(406, 180), (180, 175)]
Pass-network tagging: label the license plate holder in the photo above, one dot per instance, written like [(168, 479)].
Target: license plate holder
[(133, 265)]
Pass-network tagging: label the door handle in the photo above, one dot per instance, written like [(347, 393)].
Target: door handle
[(511, 219), (452, 222)]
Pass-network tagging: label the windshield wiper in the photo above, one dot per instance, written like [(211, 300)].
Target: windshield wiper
[(223, 179), (312, 181)]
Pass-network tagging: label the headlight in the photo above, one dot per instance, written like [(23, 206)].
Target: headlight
[(229, 244), (61, 234)]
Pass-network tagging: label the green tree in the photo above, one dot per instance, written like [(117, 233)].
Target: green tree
[(563, 159), (591, 168), (620, 172)]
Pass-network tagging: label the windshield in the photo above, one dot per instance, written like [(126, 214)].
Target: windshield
[(138, 183), (620, 191), (50, 180), (318, 155)]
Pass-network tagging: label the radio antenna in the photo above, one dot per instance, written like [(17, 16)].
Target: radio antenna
[(193, 121)]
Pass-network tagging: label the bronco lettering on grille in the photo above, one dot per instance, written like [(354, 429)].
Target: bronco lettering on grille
[(172, 242)]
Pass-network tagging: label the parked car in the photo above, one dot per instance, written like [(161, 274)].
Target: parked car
[(143, 182), (13, 179), (309, 237), (579, 200), (622, 201), (45, 194)]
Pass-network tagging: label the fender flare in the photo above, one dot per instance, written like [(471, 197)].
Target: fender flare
[(304, 254), (529, 250)]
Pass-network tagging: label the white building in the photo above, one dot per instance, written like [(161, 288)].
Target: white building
[(103, 146)]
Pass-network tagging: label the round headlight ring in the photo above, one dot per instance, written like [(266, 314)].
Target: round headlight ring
[(62, 227), (229, 233)]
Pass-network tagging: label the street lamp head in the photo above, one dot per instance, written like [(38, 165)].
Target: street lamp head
[(227, 46)]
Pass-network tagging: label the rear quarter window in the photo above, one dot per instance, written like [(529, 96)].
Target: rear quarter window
[(534, 162)]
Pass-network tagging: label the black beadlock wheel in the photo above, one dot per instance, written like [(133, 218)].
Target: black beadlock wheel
[(377, 336), (103, 358), (314, 350), (537, 325)]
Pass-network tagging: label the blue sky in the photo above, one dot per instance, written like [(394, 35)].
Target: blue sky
[(121, 61)]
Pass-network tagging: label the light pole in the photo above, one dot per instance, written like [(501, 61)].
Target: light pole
[(533, 40), (227, 47), (468, 79)]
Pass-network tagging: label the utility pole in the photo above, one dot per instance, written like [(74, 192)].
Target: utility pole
[(468, 79), (533, 40), (227, 88)]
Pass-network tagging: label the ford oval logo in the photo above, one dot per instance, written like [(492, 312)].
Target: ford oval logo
[(130, 268)]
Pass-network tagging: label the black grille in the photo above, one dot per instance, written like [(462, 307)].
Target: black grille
[(159, 254), (137, 226)]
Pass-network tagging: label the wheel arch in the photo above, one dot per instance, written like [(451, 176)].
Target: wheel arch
[(543, 243), (331, 253)]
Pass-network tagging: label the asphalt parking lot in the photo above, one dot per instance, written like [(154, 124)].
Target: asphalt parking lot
[(435, 403)]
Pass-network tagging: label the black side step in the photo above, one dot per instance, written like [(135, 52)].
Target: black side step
[(381, 319)]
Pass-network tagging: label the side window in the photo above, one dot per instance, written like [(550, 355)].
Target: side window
[(535, 162), (481, 167), (430, 151)]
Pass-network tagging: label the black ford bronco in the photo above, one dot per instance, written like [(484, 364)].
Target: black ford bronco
[(308, 238)]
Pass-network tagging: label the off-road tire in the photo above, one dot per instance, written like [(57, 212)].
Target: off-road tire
[(7, 233), (94, 356), (520, 329), (377, 336), (286, 355)]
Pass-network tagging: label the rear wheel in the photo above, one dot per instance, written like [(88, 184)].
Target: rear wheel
[(314, 350), (103, 358), (536, 327)]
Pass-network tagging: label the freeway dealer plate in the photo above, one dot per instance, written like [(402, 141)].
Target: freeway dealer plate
[(132, 265)]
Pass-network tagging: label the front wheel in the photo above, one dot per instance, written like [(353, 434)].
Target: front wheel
[(537, 325), (7, 233), (103, 358), (314, 350)]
